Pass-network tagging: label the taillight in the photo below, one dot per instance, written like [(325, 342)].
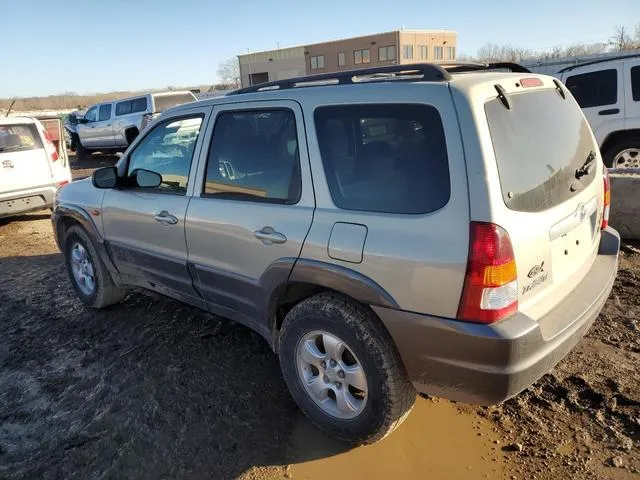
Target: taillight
[(607, 200), (530, 82), (50, 147), (490, 290)]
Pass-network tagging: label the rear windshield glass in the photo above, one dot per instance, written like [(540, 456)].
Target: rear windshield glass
[(163, 102), (384, 158), (18, 138), (539, 144)]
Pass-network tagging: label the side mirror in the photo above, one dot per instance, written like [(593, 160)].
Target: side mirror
[(146, 178), (106, 177)]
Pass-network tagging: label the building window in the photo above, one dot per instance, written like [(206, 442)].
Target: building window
[(317, 62), (438, 53), (361, 56), (407, 52), (342, 59), (387, 53), (451, 53), (423, 52)]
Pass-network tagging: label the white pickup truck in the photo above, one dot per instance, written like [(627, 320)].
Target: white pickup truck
[(33, 163), (112, 126)]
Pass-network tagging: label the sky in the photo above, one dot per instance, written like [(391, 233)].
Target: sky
[(89, 46)]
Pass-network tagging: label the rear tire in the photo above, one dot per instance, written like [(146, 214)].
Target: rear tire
[(377, 405), (624, 153), (97, 290)]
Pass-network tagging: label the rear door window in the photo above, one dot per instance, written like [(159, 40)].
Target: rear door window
[(19, 138), (635, 83), (105, 112), (389, 158), (123, 108), (254, 157), (594, 89), (539, 144)]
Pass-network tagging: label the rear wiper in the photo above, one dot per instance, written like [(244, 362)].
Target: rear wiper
[(586, 166)]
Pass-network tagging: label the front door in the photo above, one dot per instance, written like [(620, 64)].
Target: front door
[(86, 129), (599, 91), (252, 207), (144, 228), (103, 128)]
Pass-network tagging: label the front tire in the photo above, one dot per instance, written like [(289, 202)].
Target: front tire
[(88, 274), (624, 153), (343, 370), (81, 152)]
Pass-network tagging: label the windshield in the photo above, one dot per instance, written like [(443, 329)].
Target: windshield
[(539, 144), (18, 138)]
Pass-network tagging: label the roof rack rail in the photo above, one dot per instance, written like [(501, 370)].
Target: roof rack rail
[(418, 71), (599, 60), (476, 66)]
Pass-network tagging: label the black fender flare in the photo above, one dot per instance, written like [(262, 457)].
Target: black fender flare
[(82, 217)]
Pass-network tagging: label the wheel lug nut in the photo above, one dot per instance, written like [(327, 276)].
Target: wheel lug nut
[(325, 379), (340, 374), (332, 363), (323, 364)]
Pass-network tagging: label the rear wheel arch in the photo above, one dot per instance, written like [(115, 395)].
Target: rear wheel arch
[(614, 140), (130, 134), (309, 278)]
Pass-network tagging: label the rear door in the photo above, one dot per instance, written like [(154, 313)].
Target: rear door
[(599, 91), (252, 207), (632, 96), (23, 158), (551, 196)]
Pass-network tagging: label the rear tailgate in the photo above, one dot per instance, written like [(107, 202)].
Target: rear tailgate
[(60, 167), (538, 141)]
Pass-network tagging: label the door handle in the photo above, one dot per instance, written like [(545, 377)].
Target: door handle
[(269, 236), (610, 111), (166, 218)]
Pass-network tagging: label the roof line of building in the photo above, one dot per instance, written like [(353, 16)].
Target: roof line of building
[(407, 30)]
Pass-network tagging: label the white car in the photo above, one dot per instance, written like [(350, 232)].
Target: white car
[(608, 91), (33, 163)]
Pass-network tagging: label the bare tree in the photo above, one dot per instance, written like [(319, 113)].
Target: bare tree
[(502, 53), (621, 40), (229, 71)]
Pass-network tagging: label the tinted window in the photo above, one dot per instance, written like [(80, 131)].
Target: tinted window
[(254, 156), (123, 108), (168, 150), (105, 112), (539, 144), (92, 114), (384, 158), (635, 83), (139, 105), (19, 138), (595, 88)]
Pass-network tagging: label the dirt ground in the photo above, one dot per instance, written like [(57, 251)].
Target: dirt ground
[(151, 388)]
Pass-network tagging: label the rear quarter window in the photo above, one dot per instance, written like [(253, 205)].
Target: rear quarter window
[(388, 158), (635, 83), (539, 144)]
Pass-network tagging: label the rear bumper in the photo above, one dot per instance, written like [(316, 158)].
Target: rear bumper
[(27, 200), (487, 364)]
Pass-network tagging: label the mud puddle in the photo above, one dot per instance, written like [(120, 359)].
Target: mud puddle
[(437, 441)]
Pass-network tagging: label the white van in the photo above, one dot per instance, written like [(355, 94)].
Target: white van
[(33, 163), (608, 91)]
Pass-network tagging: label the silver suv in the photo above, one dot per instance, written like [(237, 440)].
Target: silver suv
[(387, 230), (113, 126)]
